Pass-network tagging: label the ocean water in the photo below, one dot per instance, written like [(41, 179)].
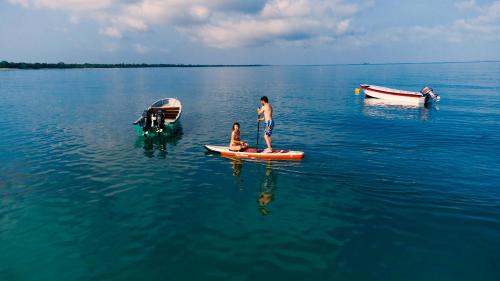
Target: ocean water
[(383, 193)]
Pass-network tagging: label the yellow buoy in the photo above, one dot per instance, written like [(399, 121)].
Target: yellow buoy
[(357, 91)]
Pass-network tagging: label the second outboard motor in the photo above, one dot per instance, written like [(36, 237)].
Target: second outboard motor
[(428, 93), (146, 122), (160, 120)]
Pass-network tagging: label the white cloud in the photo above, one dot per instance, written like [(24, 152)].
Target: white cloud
[(278, 21), (111, 32), (482, 23), (163, 50), (229, 23), (486, 25), (217, 23), (467, 5), (70, 5), (200, 12), (23, 3), (74, 19), (110, 47), (140, 49), (130, 22)]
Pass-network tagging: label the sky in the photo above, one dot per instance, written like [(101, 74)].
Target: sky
[(249, 31)]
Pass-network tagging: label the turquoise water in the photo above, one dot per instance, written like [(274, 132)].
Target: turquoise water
[(384, 192)]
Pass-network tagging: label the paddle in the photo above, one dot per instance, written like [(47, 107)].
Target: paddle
[(258, 128)]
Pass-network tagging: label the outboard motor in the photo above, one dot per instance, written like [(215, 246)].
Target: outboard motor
[(160, 121), (428, 93), (146, 122), (141, 120)]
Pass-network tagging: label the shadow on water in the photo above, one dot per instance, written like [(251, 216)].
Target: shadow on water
[(156, 145), (267, 183), (387, 110)]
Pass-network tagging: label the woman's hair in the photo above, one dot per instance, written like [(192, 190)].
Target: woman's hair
[(235, 123)]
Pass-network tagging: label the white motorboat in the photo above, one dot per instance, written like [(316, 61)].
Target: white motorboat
[(425, 96), (161, 117)]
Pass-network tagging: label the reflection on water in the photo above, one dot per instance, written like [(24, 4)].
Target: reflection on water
[(391, 110), (156, 145), (267, 184), (267, 187), (237, 165)]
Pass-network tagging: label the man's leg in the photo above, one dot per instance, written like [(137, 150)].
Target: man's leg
[(267, 135), (268, 142)]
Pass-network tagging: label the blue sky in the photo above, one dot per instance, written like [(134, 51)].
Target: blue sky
[(240, 32)]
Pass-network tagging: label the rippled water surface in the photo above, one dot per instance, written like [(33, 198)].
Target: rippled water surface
[(384, 192)]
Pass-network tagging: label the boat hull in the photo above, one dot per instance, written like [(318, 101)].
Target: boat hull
[(253, 153), (394, 96), (170, 129)]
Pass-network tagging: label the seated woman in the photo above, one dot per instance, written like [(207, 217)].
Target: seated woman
[(236, 143)]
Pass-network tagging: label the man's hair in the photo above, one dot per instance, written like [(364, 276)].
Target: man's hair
[(235, 123), (264, 99)]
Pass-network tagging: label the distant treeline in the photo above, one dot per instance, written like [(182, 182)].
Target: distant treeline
[(62, 65)]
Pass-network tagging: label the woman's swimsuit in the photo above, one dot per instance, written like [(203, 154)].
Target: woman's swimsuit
[(236, 146), (236, 137)]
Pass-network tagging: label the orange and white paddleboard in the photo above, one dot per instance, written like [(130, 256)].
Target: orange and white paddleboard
[(253, 153)]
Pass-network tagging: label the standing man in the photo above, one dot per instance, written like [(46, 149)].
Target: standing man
[(267, 109)]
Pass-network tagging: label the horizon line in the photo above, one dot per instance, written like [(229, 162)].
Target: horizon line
[(64, 65), (390, 63)]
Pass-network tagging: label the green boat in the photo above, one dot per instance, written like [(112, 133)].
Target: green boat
[(161, 118)]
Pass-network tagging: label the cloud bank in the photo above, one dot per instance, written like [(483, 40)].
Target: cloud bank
[(477, 22), (245, 23), (216, 23)]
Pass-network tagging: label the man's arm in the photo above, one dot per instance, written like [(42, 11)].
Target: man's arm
[(260, 110)]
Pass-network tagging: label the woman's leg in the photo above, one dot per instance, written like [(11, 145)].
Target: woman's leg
[(235, 148)]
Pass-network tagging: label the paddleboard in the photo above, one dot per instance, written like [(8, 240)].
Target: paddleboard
[(253, 153)]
